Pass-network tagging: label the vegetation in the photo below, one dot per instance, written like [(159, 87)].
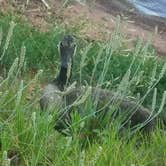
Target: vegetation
[(29, 57)]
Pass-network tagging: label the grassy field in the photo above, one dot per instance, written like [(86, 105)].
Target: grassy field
[(29, 59)]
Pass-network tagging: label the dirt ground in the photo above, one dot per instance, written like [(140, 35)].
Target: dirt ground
[(96, 21)]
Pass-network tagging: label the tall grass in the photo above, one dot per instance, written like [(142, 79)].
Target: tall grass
[(27, 135)]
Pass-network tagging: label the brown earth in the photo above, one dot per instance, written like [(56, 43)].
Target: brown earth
[(96, 22)]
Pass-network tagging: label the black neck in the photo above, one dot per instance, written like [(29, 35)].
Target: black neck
[(61, 80)]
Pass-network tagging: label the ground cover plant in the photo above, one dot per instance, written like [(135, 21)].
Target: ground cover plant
[(29, 58)]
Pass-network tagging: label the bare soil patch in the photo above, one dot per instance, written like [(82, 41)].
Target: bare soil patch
[(96, 22)]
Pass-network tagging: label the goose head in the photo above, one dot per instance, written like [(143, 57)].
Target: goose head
[(67, 49)]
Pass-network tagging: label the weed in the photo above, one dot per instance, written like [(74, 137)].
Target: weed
[(27, 134)]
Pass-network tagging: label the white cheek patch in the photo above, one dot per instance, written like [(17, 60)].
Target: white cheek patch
[(58, 47), (75, 49)]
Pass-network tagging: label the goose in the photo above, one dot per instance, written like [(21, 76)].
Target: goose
[(137, 115)]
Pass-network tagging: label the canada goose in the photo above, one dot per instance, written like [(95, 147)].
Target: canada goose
[(136, 114), (50, 95)]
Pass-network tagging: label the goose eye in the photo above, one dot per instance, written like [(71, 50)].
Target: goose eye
[(60, 44), (73, 45)]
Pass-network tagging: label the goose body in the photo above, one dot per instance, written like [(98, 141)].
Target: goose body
[(134, 114), (52, 96)]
